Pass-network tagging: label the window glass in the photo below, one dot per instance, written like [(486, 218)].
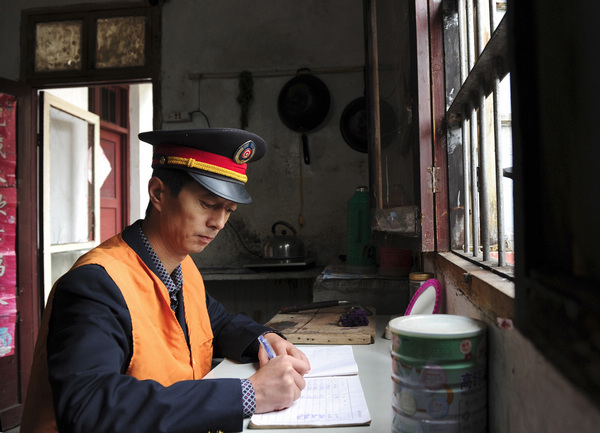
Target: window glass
[(58, 46), (120, 42)]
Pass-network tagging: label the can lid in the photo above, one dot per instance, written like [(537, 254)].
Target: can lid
[(437, 326)]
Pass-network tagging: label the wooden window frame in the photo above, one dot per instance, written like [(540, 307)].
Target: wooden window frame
[(88, 15), (428, 114)]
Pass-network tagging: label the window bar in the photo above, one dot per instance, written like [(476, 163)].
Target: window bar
[(484, 200), (499, 172), (480, 28), (498, 148), (466, 150), (492, 15), (474, 181), (473, 136), (470, 38), (466, 180)]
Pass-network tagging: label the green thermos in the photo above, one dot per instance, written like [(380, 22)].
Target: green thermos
[(360, 255)]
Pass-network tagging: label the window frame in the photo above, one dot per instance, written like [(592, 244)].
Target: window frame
[(431, 202), (475, 82), (552, 306), (88, 16)]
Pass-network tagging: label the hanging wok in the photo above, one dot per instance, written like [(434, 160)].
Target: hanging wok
[(303, 104), (354, 124)]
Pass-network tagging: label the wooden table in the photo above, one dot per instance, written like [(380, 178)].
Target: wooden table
[(375, 369), (320, 326)]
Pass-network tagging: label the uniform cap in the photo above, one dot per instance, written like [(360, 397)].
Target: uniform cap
[(216, 158)]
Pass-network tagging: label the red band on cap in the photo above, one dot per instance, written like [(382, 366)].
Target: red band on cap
[(198, 159)]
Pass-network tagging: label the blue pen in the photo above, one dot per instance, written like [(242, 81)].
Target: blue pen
[(265, 343)]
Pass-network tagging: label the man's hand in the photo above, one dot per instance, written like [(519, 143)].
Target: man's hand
[(281, 347), (278, 382)]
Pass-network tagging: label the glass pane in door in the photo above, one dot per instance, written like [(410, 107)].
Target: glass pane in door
[(70, 188), (71, 169)]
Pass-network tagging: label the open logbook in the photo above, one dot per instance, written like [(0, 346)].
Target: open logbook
[(333, 395)]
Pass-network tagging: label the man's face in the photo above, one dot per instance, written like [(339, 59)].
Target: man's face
[(190, 221)]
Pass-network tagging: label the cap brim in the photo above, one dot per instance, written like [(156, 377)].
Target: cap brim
[(227, 189)]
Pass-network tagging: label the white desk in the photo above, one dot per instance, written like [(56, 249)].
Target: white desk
[(374, 369)]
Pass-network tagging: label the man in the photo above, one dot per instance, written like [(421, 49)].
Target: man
[(129, 331)]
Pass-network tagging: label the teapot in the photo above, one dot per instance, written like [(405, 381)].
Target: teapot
[(284, 246)]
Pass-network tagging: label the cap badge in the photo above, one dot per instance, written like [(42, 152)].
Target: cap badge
[(245, 152)]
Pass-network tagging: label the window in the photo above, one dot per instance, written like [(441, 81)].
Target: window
[(479, 131), (89, 43), (554, 88), (404, 178), (441, 180)]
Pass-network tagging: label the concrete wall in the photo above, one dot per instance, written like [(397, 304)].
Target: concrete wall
[(227, 37)]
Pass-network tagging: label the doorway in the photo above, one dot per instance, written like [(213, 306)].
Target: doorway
[(117, 171), (26, 292), (63, 46)]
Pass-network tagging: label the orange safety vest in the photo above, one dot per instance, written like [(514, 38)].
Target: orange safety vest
[(160, 350)]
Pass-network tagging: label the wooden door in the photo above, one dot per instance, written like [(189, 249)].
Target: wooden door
[(19, 290), (111, 204), (111, 103)]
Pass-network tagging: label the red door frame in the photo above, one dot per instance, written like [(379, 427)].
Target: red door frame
[(18, 366)]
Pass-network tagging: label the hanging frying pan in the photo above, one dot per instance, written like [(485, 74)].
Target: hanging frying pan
[(303, 104), (354, 124)]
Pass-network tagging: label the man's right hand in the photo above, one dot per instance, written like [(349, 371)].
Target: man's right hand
[(278, 383)]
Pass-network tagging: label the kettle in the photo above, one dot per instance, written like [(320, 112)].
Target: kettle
[(284, 246)]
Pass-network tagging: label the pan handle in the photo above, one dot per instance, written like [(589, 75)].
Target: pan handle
[(305, 151)]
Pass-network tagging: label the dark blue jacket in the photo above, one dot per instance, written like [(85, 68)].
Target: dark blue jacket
[(89, 348)]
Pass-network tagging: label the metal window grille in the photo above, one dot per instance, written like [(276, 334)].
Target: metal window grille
[(480, 114)]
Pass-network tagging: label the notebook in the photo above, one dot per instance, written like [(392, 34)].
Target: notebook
[(333, 395)]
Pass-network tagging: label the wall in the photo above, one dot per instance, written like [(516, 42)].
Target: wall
[(228, 37), (231, 36)]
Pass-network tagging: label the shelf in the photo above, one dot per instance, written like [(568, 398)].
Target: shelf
[(222, 274)]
